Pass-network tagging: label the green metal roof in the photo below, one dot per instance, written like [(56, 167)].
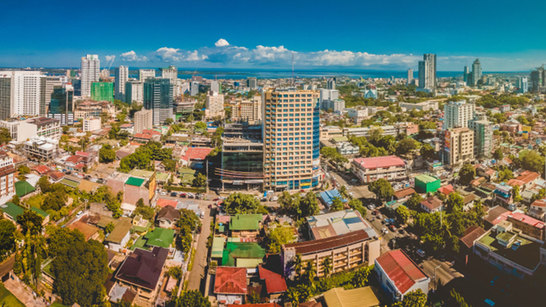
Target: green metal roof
[(23, 188), (237, 250), (245, 222), (426, 178), (13, 210), (137, 182), (160, 237)]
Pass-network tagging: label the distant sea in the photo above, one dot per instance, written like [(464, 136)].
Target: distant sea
[(264, 73)]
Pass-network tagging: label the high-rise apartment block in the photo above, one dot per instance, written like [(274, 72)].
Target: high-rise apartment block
[(247, 110), (331, 84), (158, 97), (122, 76), (291, 139), (214, 106), (215, 86), (145, 74), (90, 72), (134, 92), (427, 72), (23, 95), (410, 75), (48, 83), (143, 120), (458, 146), (170, 73), (252, 83), (457, 114), (523, 85), (483, 135), (538, 80), (476, 74)]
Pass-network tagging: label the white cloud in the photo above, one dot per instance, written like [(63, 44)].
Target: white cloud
[(221, 43), (195, 56), (109, 58), (131, 56), (168, 54)]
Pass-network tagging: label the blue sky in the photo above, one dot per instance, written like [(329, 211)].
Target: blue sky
[(390, 35)]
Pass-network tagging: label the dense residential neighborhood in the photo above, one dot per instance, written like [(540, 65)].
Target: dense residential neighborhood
[(145, 187)]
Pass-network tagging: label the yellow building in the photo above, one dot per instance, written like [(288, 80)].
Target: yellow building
[(458, 146)]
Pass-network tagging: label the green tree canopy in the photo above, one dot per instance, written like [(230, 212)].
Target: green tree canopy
[(241, 203), (467, 174), (298, 207), (107, 154), (382, 189), (7, 238)]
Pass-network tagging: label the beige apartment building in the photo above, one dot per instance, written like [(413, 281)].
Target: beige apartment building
[(291, 132), (143, 120), (458, 146), (214, 105), (345, 251), (247, 110)]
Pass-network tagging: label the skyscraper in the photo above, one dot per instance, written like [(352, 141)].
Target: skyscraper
[(5, 97), (144, 74), (427, 72), (158, 97), (466, 74), (194, 88), (134, 92), (252, 83), (410, 75), (476, 72), (47, 84), (122, 75), (215, 86), (523, 84), (90, 72), (457, 114), (538, 79), (291, 139), (331, 84), (25, 92), (62, 104)]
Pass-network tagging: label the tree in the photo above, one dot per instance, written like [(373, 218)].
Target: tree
[(31, 222), (23, 169), (530, 160), (403, 214), (498, 154), (15, 199), (7, 238), (327, 266), (298, 207), (199, 181), (108, 229), (415, 298), (191, 298), (5, 136), (54, 200), (169, 121), (357, 205), (406, 146), (241, 203), (382, 189), (414, 202), (505, 174), (107, 154), (187, 224), (454, 202), (79, 268), (516, 194), (427, 152), (44, 184), (337, 204), (458, 298), (467, 174), (360, 278), (200, 126), (277, 237), (146, 212)]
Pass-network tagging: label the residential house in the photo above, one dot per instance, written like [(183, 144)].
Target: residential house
[(432, 204), (167, 217), (120, 235), (275, 284), (398, 275), (245, 226), (230, 285)]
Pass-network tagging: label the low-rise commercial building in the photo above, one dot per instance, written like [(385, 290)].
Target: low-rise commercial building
[(41, 149), (91, 124), (391, 168)]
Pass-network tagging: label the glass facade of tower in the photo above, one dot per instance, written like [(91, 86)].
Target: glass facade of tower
[(102, 91), (5, 97), (158, 97)]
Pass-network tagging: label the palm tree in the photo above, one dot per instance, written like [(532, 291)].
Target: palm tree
[(297, 266), (310, 272), (327, 266)]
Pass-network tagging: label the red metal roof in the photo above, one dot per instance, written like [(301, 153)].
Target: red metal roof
[(518, 216), (274, 283), (197, 153), (380, 162), (42, 169), (162, 202), (447, 189), (528, 176), (400, 269), (74, 159), (230, 280)]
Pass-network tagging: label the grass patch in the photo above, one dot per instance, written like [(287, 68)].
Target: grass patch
[(192, 258), (8, 299)]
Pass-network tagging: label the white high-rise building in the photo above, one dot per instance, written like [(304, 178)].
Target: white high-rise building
[(122, 75), (143, 120), (427, 72), (90, 72), (134, 92), (24, 92), (214, 105), (214, 86), (410, 75), (144, 74), (457, 114), (170, 73)]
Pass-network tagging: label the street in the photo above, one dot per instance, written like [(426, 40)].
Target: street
[(201, 251)]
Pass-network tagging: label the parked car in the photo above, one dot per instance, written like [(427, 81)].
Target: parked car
[(392, 227), (421, 253), (173, 194)]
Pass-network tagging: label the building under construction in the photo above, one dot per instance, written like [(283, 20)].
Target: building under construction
[(242, 157)]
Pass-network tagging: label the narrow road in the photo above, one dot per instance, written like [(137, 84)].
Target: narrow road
[(200, 261)]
